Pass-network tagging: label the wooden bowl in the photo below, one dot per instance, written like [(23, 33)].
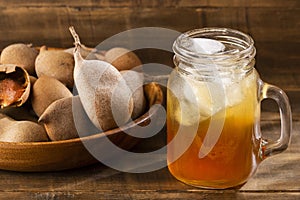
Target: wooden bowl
[(67, 154)]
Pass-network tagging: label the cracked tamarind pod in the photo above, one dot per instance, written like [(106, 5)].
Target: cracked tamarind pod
[(56, 64), (21, 131), (135, 81), (88, 53), (103, 92), (19, 54), (45, 91), (122, 59), (66, 119), (14, 85)]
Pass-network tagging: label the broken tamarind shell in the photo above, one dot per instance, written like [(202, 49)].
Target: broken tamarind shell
[(14, 85)]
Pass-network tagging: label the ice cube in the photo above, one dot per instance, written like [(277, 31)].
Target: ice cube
[(237, 91), (187, 112), (210, 97), (198, 100), (234, 94), (207, 46)]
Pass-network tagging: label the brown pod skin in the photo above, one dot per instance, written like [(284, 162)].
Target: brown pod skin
[(88, 53), (20, 113), (45, 91), (135, 82), (20, 54), (56, 64), (122, 59), (21, 131), (60, 117), (32, 80), (103, 92), (83, 51)]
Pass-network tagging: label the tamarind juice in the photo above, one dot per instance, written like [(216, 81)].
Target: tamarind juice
[(233, 156), (213, 110)]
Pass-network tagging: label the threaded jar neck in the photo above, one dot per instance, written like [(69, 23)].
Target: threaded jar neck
[(236, 53)]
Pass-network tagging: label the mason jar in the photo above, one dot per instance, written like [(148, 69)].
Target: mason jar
[(213, 110)]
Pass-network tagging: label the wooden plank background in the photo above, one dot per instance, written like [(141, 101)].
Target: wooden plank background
[(47, 22), (153, 3)]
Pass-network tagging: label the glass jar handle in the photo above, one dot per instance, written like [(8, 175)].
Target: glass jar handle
[(274, 147)]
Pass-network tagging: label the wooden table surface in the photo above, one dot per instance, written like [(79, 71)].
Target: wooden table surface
[(275, 28)]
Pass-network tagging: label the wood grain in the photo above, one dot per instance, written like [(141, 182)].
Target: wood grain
[(49, 25), (152, 3), (143, 195), (275, 27)]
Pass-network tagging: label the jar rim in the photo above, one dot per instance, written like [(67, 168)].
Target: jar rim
[(244, 40)]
